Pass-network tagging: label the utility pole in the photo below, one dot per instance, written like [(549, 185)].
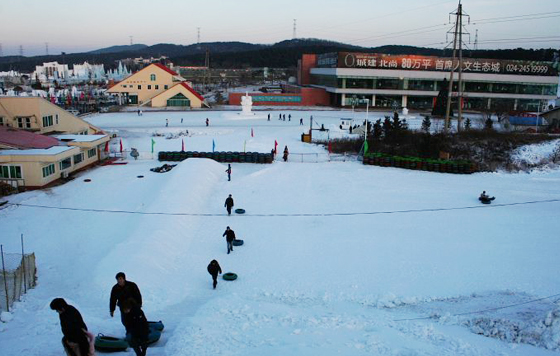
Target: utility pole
[(476, 40), (47, 48), (457, 42), (207, 65), (294, 34)]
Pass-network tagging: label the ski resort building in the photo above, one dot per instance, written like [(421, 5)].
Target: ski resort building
[(40, 143), (412, 81), (156, 86)]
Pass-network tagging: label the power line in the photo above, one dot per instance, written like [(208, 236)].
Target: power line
[(521, 17), (486, 310), (287, 214)]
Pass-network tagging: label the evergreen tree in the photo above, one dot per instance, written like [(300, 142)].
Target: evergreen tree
[(441, 101), (377, 130), (387, 127), (489, 124), (426, 123), (467, 124)]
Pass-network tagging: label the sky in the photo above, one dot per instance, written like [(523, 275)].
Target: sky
[(72, 26)]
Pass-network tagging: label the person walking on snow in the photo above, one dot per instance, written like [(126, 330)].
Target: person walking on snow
[(214, 269), (228, 171), (77, 341), (289, 117), (301, 121), (229, 204), (285, 157), (136, 325), (122, 291), (207, 122), (166, 122), (230, 236), (268, 117)]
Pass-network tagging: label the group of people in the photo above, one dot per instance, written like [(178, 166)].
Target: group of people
[(78, 341), (282, 117)]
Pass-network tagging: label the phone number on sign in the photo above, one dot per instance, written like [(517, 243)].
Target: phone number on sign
[(528, 68)]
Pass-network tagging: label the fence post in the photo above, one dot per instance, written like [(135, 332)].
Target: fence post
[(5, 281), (23, 264)]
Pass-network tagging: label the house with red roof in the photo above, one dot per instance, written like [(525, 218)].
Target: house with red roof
[(157, 81), (41, 144)]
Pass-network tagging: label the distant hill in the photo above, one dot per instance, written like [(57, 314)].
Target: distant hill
[(117, 49), (283, 54)]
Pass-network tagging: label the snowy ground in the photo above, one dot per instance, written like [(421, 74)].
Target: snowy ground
[(334, 260)]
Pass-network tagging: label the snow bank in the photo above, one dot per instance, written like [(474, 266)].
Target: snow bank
[(152, 254), (537, 154)]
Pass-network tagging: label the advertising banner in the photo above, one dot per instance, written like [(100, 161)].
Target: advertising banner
[(438, 64)]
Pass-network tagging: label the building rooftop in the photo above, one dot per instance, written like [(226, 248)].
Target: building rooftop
[(79, 138), (17, 138), (34, 152)]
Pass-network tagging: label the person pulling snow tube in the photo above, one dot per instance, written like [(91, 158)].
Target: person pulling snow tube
[(230, 276), (109, 343)]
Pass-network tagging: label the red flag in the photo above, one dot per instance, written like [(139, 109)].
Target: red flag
[(275, 145), (330, 147), (183, 145), (121, 145), (107, 146), (252, 132)]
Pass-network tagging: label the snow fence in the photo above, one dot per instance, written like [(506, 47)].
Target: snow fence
[(17, 275)]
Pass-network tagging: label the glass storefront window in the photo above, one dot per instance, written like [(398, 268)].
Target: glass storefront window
[(389, 84), (504, 88), (388, 101), (477, 87), (427, 85), (420, 102), (359, 83)]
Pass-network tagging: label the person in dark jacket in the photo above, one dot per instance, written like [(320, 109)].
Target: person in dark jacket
[(122, 291), (229, 204), (230, 236), (228, 171), (285, 157), (136, 326), (214, 269), (77, 341)]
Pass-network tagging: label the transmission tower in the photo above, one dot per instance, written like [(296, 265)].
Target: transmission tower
[(294, 34), (131, 37), (1, 54), (475, 46), (457, 42), (47, 48), (207, 65), (21, 50), (198, 36)]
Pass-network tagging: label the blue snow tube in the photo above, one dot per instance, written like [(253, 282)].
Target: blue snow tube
[(237, 242), (153, 336), (240, 211), (109, 343), (158, 325), (230, 276)]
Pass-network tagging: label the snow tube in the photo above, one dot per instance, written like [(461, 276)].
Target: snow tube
[(237, 242), (486, 200), (230, 276), (158, 325), (240, 211), (109, 343), (153, 336)]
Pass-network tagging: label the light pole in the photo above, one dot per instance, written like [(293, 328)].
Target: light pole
[(366, 125)]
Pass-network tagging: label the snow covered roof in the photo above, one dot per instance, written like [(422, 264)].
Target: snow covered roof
[(192, 91), (23, 139), (35, 152), (80, 138), (161, 66)]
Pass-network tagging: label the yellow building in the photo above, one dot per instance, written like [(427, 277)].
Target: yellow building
[(41, 116), (40, 143), (157, 81)]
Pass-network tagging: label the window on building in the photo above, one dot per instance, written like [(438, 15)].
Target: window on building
[(139, 87), (48, 121), (2, 121), (91, 152), (149, 87), (124, 85), (165, 87), (152, 77), (179, 100), (157, 87), (24, 122), (65, 163), (78, 158), (56, 121), (48, 170), (10, 172)]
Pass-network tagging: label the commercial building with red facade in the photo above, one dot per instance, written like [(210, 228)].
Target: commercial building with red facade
[(412, 81)]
